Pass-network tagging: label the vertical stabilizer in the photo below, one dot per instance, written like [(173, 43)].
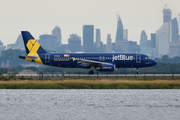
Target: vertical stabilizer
[(30, 43), (33, 48)]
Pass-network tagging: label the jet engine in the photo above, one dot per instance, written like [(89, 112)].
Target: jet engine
[(107, 68)]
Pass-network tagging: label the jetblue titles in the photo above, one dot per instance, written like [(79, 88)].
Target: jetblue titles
[(122, 57)]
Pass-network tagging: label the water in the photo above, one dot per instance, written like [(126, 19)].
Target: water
[(89, 104)]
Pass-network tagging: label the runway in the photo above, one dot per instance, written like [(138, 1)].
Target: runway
[(94, 75)]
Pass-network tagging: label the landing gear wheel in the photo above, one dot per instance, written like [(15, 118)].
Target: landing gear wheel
[(91, 72), (137, 71)]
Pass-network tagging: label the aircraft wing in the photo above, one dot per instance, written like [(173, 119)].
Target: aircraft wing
[(91, 62)]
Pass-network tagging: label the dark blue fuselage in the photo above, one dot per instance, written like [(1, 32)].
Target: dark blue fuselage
[(121, 60)]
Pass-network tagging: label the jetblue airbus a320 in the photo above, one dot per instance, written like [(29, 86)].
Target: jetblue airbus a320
[(106, 62)]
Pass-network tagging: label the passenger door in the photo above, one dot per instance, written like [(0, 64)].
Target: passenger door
[(138, 58), (47, 58)]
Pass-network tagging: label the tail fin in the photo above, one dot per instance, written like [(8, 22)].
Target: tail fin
[(33, 48), (31, 45)]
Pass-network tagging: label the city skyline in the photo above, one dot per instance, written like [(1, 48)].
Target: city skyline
[(70, 16)]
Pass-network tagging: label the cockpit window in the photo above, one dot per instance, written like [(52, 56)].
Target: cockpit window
[(148, 57)]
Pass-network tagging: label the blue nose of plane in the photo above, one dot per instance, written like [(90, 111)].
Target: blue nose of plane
[(154, 62)]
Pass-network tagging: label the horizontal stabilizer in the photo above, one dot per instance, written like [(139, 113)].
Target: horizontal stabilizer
[(33, 57)]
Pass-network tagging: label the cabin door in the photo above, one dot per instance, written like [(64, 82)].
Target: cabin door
[(47, 58), (138, 58)]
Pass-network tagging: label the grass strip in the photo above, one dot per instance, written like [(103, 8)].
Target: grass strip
[(91, 84)]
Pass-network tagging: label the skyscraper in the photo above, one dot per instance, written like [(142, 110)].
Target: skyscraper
[(98, 38), (98, 41), (143, 35), (119, 36), (74, 43), (163, 39), (109, 44), (174, 45), (153, 40), (88, 38), (167, 15), (179, 25), (174, 30), (145, 45), (163, 34), (119, 32), (57, 32), (48, 41), (125, 34)]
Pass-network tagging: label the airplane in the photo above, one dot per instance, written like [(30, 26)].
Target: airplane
[(105, 62)]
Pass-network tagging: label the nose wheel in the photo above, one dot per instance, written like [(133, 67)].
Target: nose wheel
[(91, 72), (137, 71)]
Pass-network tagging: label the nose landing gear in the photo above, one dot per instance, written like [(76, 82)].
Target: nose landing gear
[(137, 71)]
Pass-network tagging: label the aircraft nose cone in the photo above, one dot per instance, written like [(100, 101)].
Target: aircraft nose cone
[(154, 62)]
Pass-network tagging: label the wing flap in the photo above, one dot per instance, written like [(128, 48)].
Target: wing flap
[(91, 62)]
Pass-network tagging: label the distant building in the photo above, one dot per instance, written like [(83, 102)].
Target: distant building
[(74, 43), (143, 35), (104, 47), (113, 47), (127, 46), (123, 46), (163, 39), (2, 47), (98, 45), (119, 32), (132, 47), (174, 30), (153, 40), (98, 38), (119, 35), (88, 38), (125, 34), (145, 45), (49, 42), (174, 49), (153, 45), (167, 15), (2, 64), (57, 32), (179, 23), (163, 34), (7, 64), (109, 43), (138, 49), (19, 44)]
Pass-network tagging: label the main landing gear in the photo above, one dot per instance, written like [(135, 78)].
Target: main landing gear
[(91, 72), (137, 71)]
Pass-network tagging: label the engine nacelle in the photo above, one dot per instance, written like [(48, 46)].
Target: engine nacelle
[(107, 68)]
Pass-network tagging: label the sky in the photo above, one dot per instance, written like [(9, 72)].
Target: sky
[(41, 16)]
